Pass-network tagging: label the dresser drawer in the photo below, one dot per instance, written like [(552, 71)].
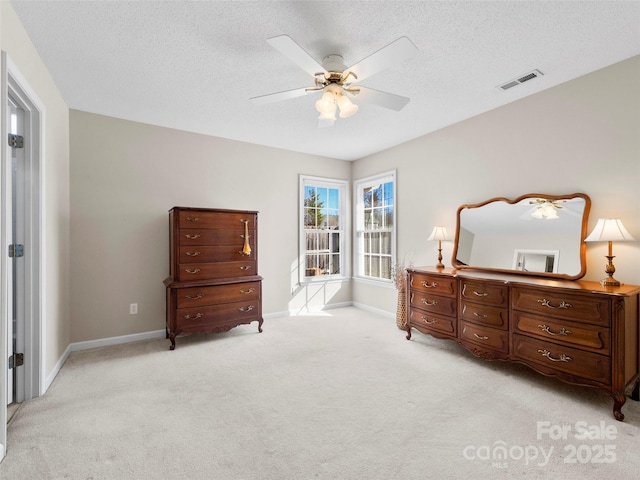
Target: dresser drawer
[(432, 322), (207, 219), (195, 317), (581, 308), (201, 296), (485, 336), (562, 359), (580, 335), (433, 284), (433, 303), (485, 293), (203, 254), (215, 236), (484, 315), (203, 271)]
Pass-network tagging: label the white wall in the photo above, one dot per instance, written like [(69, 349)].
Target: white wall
[(581, 136), (125, 176)]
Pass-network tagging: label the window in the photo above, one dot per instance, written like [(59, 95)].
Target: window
[(375, 226), (322, 240)]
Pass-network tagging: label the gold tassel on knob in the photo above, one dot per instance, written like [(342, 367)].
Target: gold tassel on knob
[(246, 250)]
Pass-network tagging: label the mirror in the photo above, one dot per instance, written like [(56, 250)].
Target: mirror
[(535, 234)]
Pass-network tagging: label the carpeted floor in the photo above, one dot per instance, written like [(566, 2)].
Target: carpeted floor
[(339, 395)]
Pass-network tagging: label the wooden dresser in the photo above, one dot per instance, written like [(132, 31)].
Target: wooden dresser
[(577, 331), (213, 284)]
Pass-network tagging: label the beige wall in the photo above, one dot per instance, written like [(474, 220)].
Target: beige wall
[(125, 176), (14, 41), (581, 136)]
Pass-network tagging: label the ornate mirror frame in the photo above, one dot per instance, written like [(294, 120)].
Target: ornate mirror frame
[(532, 201)]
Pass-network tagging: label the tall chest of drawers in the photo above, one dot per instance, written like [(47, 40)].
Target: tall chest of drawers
[(213, 284), (579, 332)]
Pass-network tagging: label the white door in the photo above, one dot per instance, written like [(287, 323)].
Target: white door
[(15, 294)]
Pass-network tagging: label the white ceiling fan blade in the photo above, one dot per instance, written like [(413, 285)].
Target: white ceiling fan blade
[(393, 54), (384, 99), (278, 96), (294, 52)]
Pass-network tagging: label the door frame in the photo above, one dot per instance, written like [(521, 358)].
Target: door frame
[(31, 379)]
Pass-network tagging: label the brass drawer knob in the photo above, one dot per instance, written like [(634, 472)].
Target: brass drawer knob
[(193, 317), (429, 302), (246, 309), (428, 285), (192, 270), (251, 290), (481, 337), (192, 254), (192, 237)]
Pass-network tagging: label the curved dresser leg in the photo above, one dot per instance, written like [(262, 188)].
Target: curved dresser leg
[(260, 325), (618, 401), (172, 337), (408, 332)]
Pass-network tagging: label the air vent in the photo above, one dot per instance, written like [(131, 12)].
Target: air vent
[(523, 78)]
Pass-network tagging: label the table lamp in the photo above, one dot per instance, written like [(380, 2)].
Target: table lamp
[(609, 230)]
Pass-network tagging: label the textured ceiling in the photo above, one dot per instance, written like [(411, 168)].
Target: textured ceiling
[(194, 65)]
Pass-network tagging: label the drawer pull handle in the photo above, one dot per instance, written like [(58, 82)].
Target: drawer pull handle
[(193, 317), (192, 254), (547, 303), (192, 270), (480, 294), (429, 302), (429, 321), (192, 237), (481, 337), (428, 285), (479, 315), (246, 309), (194, 297), (192, 219), (246, 267), (562, 331), (563, 357), (251, 290)]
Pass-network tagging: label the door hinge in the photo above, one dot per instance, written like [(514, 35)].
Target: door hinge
[(16, 360), (16, 141), (16, 250)]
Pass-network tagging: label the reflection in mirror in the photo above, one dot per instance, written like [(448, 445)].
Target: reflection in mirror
[(534, 234)]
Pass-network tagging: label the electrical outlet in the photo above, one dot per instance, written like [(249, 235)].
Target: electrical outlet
[(133, 309)]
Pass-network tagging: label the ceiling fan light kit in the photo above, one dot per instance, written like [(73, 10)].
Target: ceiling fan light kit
[(335, 80)]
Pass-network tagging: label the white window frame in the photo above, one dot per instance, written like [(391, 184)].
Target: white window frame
[(344, 208), (359, 227)]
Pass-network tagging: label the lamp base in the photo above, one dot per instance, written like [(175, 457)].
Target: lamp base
[(610, 270), (610, 282)]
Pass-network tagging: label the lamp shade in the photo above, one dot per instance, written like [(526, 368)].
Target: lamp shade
[(439, 233), (609, 230)]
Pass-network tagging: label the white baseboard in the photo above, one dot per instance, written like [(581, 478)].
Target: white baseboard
[(371, 309), (51, 377), (105, 342), (321, 308)]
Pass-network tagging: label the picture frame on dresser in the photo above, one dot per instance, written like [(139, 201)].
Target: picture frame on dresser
[(213, 284), (580, 332)]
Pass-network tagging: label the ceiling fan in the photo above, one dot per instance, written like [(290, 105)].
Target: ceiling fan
[(337, 82)]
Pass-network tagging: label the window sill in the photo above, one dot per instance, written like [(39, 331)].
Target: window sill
[(377, 283)]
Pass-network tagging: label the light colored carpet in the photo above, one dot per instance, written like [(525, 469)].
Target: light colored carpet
[(340, 395)]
